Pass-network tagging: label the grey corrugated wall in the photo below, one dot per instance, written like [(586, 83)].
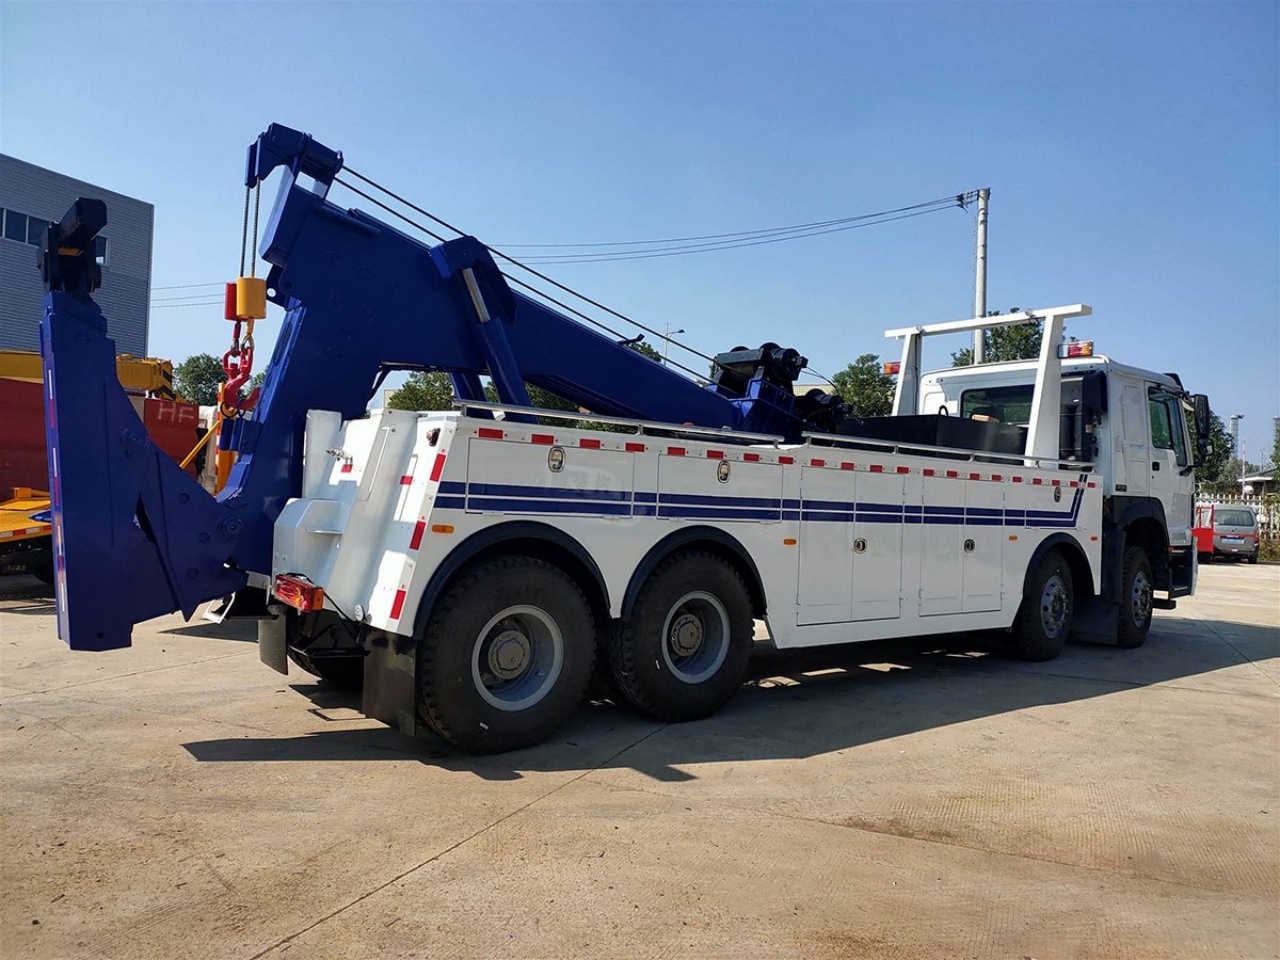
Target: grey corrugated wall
[(125, 294)]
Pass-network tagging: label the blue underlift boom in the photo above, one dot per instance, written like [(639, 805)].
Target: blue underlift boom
[(136, 537)]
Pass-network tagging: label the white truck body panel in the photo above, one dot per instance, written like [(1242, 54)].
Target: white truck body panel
[(850, 542)]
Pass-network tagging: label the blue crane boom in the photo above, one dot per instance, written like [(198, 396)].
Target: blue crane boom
[(136, 537)]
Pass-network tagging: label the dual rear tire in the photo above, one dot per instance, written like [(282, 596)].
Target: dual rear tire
[(508, 653)]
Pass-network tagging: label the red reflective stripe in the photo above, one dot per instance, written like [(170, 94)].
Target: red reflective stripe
[(787, 460), (675, 451), (975, 476), (437, 468), (1092, 485), (846, 465), (1017, 479), (952, 474), (406, 480), (397, 605), (587, 443), (927, 471), (715, 454), (1074, 483), (419, 529), (997, 477), (1057, 483), (635, 448), (489, 433), (751, 457), (876, 468), (543, 438), (817, 463), (346, 468), (1037, 480), (904, 469)]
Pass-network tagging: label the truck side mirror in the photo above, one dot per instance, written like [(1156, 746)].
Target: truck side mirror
[(1200, 408)]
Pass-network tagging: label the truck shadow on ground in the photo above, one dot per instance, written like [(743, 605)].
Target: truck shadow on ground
[(799, 704)]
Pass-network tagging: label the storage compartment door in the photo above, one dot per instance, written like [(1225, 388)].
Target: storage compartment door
[(826, 548), (942, 521)]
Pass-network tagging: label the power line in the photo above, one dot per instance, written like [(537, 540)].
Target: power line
[(189, 286), (951, 201), (729, 245), (204, 303)]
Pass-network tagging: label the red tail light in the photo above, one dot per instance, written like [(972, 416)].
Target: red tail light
[(298, 592)]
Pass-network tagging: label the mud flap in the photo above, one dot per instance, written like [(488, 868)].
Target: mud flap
[(390, 681), (272, 648)]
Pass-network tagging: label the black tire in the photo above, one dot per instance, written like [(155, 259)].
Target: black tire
[(1134, 622), (345, 673), (506, 656), (684, 651), (1044, 618), (1253, 557)]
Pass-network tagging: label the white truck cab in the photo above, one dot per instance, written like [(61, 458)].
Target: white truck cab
[(1130, 423)]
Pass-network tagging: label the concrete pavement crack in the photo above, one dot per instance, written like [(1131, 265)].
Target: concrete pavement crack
[(1244, 657), (135, 673), (887, 833), (454, 846)]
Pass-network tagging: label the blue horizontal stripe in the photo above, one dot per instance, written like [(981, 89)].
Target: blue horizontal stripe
[(700, 499), (556, 493), (507, 504), (518, 498), (716, 513)]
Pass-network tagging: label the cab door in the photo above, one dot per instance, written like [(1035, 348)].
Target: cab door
[(1132, 447), (1171, 482)]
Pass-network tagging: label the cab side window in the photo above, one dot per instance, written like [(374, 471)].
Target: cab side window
[(1166, 424)]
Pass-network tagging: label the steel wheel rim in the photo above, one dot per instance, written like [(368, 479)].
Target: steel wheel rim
[(695, 637), (1141, 599), (1055, 606), (517, 658)]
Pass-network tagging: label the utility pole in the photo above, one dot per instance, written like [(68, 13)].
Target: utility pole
[(980, 286), (1235, 441)]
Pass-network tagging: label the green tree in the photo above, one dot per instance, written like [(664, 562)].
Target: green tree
[(1216, 473), (1021, 342), (1275, 446), (646, 349), (196, 378), (865, 387), (424, 391)]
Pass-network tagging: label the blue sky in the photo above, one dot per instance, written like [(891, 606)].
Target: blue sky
[(1132, 150)]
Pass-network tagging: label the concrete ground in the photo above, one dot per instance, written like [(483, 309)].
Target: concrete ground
[(180, 800)]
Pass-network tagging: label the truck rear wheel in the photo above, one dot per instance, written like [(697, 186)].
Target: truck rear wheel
[(684, 651), (1044, 619), (1135, 599), (506, 656)]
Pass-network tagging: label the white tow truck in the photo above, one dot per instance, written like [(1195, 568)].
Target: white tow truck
[(486, 563), (470, 571)]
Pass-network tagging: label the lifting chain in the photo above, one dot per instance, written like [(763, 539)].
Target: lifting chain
[(245, 303)]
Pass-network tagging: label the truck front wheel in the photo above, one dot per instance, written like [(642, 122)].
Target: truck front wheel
[(1135, 599), (684, 650), (1044, 619), (506, 656)]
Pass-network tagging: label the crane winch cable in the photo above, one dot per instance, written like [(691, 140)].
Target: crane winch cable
[(542, 276), (529, 287)]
